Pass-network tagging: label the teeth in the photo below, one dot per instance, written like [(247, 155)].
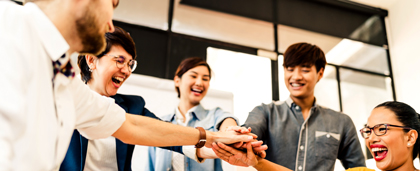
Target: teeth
[(119, 79), (196, 90), (378, 149), (296, 85)]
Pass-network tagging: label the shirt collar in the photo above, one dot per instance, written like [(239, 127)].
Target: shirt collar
[(291, 104), (197, 111), (54, 43)]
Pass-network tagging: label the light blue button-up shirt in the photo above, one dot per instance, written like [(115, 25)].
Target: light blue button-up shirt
[(161, 160)]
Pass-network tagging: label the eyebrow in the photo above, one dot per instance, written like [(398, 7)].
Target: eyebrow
[(197, 74)]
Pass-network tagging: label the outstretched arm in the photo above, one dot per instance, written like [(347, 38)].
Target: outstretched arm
[(142, 130)]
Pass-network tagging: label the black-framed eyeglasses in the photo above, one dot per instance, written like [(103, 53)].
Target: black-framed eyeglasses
[(120, 62), (379, 129)]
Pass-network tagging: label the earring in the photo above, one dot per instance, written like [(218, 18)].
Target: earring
[(90, 69)]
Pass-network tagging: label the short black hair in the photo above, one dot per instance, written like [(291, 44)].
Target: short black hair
[(304, 54)]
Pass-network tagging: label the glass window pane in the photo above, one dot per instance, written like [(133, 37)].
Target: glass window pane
[(359, 55), (326, 90), (223, 27), (148, 13), (248, 77), (290, 35), (360, 93)]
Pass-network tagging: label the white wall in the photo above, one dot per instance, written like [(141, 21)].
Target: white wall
[(403, 24)]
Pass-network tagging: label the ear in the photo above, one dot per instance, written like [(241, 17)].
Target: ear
[(412, 138), (90, 60), (176, 81), (320, 74)]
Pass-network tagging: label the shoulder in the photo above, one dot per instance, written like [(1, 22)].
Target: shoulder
[(270, 107), (333, 114), (129, 99)]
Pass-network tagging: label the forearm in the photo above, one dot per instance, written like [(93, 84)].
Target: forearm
[(206, 153), (264, 164), (142, 130), (227, 123)]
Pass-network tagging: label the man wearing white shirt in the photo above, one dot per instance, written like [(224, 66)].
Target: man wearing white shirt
[(41, 104)]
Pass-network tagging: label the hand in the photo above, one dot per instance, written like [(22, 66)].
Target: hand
[(236, 157), (238, 129), (228, 137), (257, 147)]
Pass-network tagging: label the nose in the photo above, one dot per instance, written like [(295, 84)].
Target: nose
[(296, 75), (372, 138), (110, 26), (199, 82), (126, 70)]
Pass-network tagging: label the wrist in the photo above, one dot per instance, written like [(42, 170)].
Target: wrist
[(210, 137), (202, 138)]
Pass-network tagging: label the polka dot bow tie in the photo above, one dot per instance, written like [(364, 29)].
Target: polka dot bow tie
[(68, 70)]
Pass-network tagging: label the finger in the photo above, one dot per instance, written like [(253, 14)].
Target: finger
[(250, 152), (260, 148), (262, 154), (237, 145), (239, 138), (227, 148), (256, 143), (221, 153)]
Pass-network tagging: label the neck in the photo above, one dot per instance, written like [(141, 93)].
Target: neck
[(91, 86), (184, 106), (407, 166), (60, 15), (305, 104)]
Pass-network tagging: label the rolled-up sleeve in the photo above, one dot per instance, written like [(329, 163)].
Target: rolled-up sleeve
[(97, 116)]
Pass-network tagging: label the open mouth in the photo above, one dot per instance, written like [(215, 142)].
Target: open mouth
[(197, 91), (296, 84), (117, 80), (380, 153)]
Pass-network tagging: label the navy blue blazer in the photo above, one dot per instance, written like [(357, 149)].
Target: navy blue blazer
[(76, 154)]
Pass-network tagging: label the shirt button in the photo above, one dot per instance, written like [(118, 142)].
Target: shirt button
[(301, 147), (300, 167), (297, 107), (328, 135)]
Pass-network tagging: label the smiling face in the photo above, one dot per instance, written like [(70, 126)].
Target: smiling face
[(193, 84), (106, 76), (394, 149), (301, 80)]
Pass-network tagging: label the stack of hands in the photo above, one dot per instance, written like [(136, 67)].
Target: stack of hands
[(242, 153)]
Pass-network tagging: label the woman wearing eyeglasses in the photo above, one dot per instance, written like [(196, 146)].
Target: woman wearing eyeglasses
[(391, 135), (104, 74)]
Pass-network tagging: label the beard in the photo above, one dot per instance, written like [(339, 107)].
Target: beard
[(89, 32)]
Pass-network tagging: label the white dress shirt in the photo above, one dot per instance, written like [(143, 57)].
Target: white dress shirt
[(36, 119)]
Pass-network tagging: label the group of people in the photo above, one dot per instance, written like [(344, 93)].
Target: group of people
[(51, 120)]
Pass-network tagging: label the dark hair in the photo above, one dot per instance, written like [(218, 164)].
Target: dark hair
[(118, 37), (188, 64), (407, 116), (304, 54)]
